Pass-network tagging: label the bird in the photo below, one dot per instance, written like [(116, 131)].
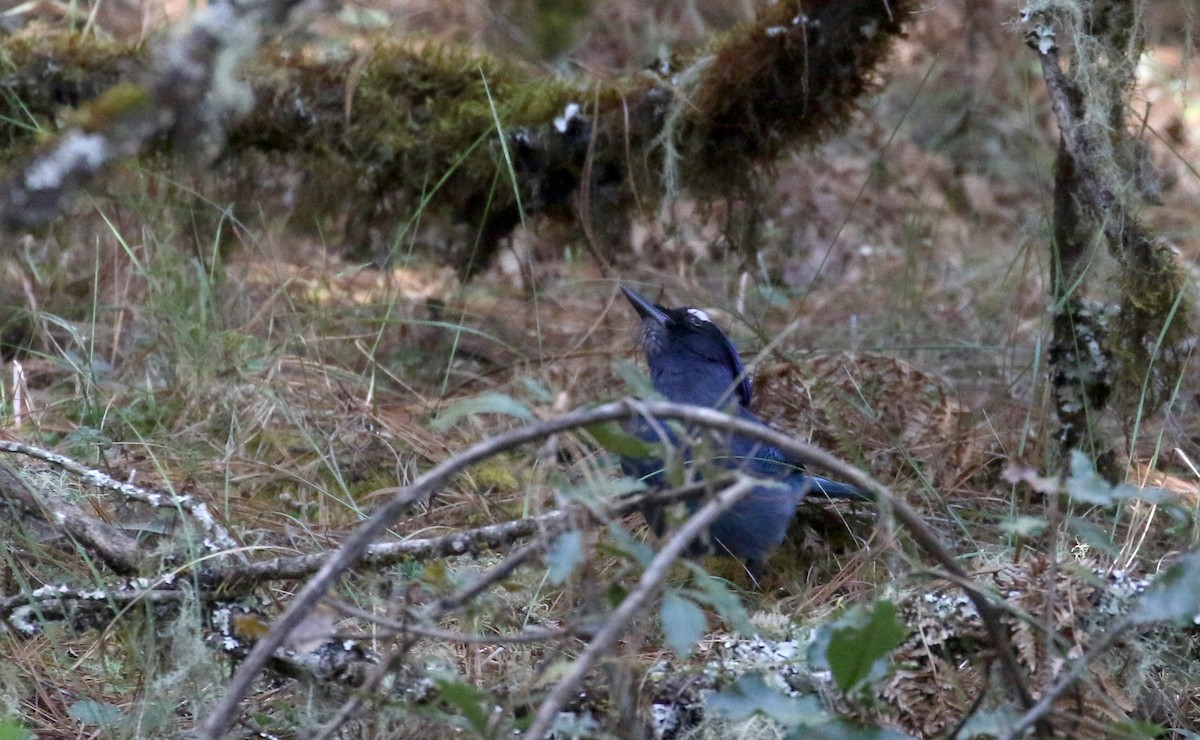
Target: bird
[(693, 362)]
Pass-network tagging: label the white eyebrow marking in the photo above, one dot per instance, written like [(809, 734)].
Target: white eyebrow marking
[(697, 313)]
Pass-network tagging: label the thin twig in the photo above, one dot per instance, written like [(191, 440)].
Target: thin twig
[(398, 627), (648, 585), (1037, 713), (497, 573), (237, 578)]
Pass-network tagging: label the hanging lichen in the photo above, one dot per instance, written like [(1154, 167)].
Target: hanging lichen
[(1100, 185)]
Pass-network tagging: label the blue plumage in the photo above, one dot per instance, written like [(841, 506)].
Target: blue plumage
[(692, 361)]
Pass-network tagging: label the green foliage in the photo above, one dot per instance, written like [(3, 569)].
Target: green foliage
[(1086, 485), (472, 704), (600, 490), (856, 646), (1174, 596), (612, 437), (751, 695), (12, 729), (988, 723), (626, 543), (564, 555), (485, 403), (682, 620), (716, 594), (99, 714)]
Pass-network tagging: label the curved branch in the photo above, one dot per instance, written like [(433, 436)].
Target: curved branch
[(353, 549), (648, 584)]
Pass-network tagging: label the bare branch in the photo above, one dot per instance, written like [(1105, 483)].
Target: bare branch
[(51, 603), (218, 539), (119, 551), (191, 95), (398, 627), (487, 537)]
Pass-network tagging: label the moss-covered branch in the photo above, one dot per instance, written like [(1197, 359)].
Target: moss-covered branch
[(410, 124)]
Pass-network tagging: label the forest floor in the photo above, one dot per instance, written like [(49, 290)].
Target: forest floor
[(901, 278)]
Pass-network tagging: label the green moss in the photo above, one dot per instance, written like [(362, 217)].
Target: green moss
[(1152, 332), (117, 103), (786, 80), (45, 72)]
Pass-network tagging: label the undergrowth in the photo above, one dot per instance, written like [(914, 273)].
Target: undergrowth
[(894, 313)]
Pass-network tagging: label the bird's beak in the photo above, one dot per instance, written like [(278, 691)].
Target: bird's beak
[(645, 308)]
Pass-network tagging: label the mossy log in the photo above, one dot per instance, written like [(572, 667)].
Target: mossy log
[(418, 124)]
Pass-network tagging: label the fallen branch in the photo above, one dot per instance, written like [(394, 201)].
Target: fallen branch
[(218, 539), (237, 578), (190, 95), (118, 551), (24, 612)]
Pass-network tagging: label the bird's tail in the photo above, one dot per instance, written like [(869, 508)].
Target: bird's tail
[(823, 487)]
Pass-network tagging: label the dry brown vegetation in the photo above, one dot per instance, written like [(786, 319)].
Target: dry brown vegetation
[(899, 280)]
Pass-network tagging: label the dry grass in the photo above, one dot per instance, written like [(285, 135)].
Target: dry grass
[(288, 387)]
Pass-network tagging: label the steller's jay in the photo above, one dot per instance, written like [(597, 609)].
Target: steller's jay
[(692, 361)]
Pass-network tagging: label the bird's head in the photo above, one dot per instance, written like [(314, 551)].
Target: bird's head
[(691, 360)]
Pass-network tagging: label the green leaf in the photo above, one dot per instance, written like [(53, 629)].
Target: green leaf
[(1023, 526), (858, 644), (473, 703), (996, 722), (537, 390), (1140, 730), (750, 695), (845, 730), (12, 729), (96, 713), (607, 488), (615, 594), (683, 622), (715, 593), (564, 555), (1098, 537), (1174, 596), (630, 545), (612, 437), (484, 403), (1086, 485)]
